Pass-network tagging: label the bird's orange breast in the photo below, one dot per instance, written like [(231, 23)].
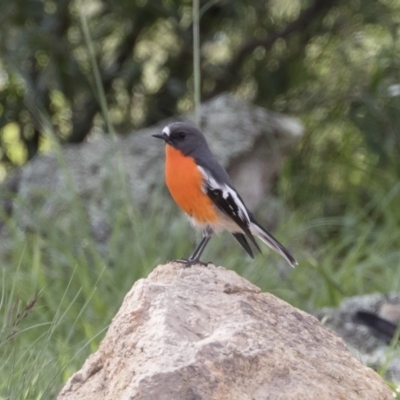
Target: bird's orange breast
[(184, 181)]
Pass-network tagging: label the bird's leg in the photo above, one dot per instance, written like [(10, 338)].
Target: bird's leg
[(199, 249), (195, 257)]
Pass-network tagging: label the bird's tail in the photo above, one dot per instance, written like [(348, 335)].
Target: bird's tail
[(270, 241)]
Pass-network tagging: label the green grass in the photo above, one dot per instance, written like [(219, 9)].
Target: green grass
[(60, 290)]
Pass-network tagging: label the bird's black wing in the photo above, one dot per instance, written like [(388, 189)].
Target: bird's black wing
[(229, 202)]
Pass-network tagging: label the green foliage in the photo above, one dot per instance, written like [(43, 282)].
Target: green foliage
[(298, 57)]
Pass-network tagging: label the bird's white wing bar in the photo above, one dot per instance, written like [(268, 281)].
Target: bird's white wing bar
[(225, 198), (229, 192)]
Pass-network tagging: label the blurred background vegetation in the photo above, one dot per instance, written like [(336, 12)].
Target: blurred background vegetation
[(332, 63)]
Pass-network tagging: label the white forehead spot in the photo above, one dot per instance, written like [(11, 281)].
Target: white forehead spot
[(166, 131)]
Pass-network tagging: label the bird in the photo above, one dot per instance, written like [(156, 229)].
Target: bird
[(204, 191)]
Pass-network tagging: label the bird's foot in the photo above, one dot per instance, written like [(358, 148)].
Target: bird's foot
[(188, 262)]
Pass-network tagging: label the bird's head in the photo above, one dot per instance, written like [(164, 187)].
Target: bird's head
[(184, 137)]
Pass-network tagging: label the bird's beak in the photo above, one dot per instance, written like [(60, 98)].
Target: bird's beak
[(162, 136)]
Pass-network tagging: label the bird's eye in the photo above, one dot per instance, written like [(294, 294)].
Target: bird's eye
[(181, 135)]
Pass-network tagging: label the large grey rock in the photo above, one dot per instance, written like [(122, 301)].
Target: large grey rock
[(206, 333), (108, 174)]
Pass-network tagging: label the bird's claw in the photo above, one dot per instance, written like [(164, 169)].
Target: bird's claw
[(188, 262)]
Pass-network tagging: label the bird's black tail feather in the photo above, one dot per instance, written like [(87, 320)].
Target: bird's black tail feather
[(244, 243), (270, 241)]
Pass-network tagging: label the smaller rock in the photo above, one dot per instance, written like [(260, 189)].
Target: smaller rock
[(367, 343)]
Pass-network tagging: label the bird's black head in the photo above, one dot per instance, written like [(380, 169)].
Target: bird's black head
[(184, 137)]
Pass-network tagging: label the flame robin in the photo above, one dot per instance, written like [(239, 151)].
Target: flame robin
[(203, 190)]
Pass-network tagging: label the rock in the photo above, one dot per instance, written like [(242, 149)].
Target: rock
[(368, 346), (206, 333), (106, 174)]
